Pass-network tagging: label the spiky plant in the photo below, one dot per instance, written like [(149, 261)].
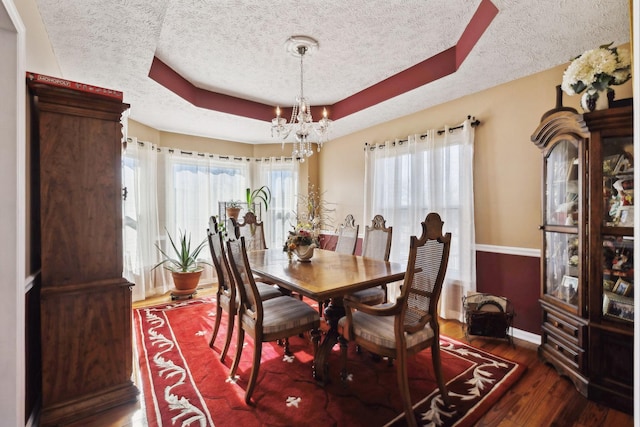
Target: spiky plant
[(185, 259)]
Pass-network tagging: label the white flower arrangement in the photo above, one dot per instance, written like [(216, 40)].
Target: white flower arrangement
[(597, 69)]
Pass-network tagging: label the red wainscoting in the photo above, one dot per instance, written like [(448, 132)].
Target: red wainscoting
[(516, 278), (328, 241)]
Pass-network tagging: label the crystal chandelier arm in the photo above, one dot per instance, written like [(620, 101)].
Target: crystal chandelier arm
[(301, 122)]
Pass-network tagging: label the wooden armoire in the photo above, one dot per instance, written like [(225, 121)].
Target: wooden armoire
[(76, 243)]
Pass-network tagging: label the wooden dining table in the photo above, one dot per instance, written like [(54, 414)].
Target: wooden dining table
[(328, 276)]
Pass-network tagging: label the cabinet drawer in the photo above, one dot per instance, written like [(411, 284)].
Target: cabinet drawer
[(570, 354), (561, 325)]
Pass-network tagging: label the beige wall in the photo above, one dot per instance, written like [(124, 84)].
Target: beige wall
[(39, 54), (507, 166)]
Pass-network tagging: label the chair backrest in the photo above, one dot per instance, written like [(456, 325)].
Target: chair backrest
[(252, 230), (426, 268), (213, 224), (250, 302), (377, 239), (347, 236), (220, 263)]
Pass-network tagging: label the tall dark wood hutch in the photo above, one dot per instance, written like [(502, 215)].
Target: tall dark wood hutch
[(587, 250), (76, 242)]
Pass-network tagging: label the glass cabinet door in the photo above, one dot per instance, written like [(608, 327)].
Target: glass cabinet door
[(562, 184), (561, 220), (617, 225), (562, 266)]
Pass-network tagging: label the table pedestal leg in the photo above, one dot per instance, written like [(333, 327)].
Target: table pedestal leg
[(332, 313)]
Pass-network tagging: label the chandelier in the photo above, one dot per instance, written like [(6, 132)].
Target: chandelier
[(301, 124)]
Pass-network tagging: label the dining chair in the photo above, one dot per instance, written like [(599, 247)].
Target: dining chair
[(347, 236), (252, 230), (270, 320), (376, 244), (346, 244), (409, 325), (227, 297)]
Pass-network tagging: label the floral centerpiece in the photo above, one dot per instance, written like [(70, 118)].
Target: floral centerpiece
[(301, 235), (594, 71), (301, 241)]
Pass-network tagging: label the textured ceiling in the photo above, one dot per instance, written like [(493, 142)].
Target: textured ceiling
[(236, 48)]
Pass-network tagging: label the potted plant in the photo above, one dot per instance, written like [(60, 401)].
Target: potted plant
[(233, 209), (184, 264), (259, 195)]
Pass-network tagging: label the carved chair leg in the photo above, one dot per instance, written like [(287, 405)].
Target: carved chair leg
[(216, 325), (257, 355), (403, 385), (344, 346), (437, 367), (286, 347), (236, 361), (231, 324)]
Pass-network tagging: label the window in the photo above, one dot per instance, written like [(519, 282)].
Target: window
[(174, 190), (405, 180)]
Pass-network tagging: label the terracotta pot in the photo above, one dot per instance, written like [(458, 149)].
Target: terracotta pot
[(233, 212), (185, 283)]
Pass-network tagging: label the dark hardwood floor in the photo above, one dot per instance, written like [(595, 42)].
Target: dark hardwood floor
[(540, 398)]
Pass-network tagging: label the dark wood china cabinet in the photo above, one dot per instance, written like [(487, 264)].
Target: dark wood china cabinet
[(76, 241), (587, 250)]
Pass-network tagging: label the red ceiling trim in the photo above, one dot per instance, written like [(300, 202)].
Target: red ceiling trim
[(427, 71), (420, 74), (167, 77), (479, 23)]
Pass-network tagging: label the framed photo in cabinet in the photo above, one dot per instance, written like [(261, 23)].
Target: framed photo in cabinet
[(570, 282), (617, 306), (622, 287)]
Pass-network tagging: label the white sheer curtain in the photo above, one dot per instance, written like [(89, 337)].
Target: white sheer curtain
[(280, 174), (141, 224), (405, 180), (177, 191), (194, 183)]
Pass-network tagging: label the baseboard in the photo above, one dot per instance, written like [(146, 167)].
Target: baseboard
[(526, 336)]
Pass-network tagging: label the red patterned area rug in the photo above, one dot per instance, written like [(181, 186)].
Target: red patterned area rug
[(185, 384)]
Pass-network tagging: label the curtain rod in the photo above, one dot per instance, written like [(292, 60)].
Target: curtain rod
[(474, 123), (129, 140)]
